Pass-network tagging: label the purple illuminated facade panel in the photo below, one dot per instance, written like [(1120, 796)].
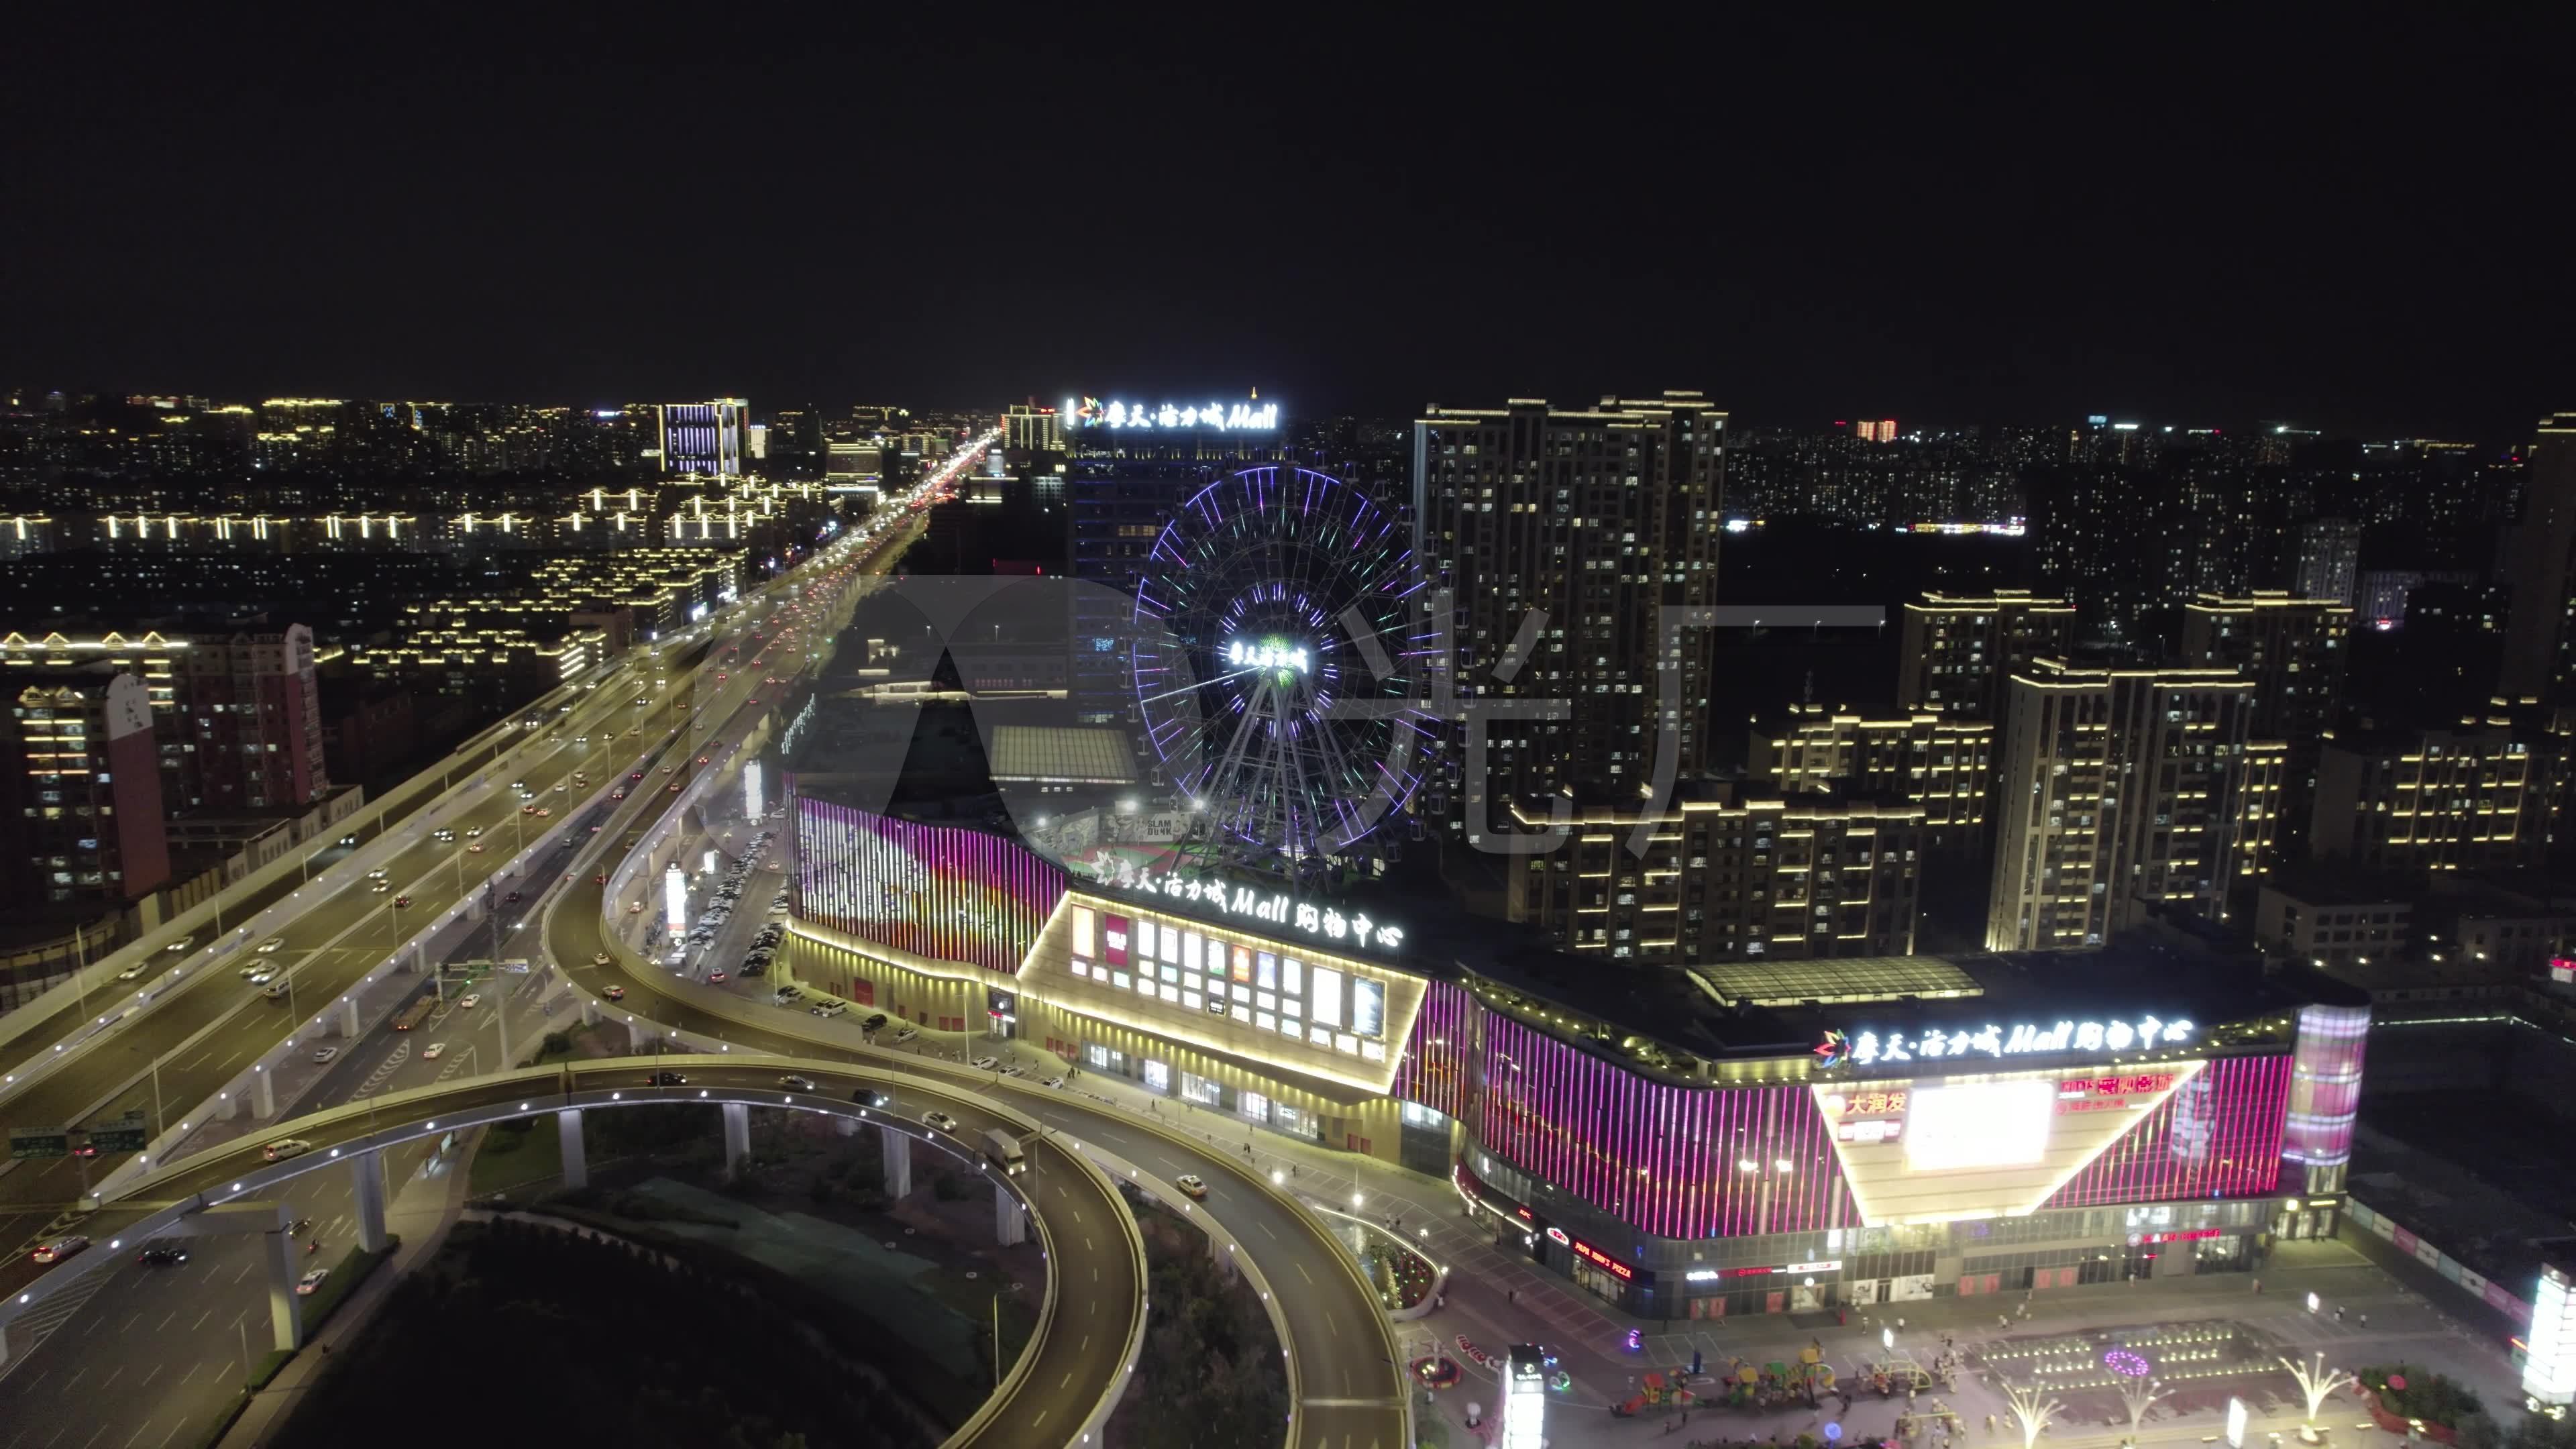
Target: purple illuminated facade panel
[(2218, 1135), (1667, 1160), (934, 890), (1434, 1071), (2325, 1091)]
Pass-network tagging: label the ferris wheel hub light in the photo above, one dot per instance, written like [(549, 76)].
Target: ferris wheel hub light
[(1267, 654)]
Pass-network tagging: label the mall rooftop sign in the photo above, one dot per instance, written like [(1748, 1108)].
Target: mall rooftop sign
[(2024, 1039), (1273, 908), (1242, 417)]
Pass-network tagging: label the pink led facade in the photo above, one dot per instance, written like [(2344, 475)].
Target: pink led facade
[(1665, 1159), (2218, 1135), (939, 891), (1439, 1054)]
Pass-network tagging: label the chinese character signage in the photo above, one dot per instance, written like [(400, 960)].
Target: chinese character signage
[(1936, 1044), (1274, 908), (1091, 412)]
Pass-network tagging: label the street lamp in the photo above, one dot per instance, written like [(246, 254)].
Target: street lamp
[(2032, 1412), (2318, 1383)]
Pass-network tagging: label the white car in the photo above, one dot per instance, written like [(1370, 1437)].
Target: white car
[(985, 1064), (133, 971), (599, 958), (907, 1034), (325, 1054), (180, 947), (284, 1148), (1053, 1082), (442, 834), (797, 1081), (940, 1121), (433, 1051), (468, 1003), (473, 831), (379, 873), (272, 945), (263, 976), (306, 1285)]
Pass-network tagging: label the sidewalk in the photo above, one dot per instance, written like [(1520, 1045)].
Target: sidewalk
[(420, 1214)]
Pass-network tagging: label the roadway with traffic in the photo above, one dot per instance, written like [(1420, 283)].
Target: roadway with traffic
[(127, 1322)]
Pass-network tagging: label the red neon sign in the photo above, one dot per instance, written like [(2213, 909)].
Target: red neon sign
[(2193, 1236), (1594, 1255), (2138, 1086)]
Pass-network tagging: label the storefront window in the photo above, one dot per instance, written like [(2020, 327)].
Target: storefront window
[(1417, 1115), (1158, 1075), (1253, 1106), (1198, 1089)]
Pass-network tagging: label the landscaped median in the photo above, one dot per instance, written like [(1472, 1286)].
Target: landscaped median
[(346, 1275)]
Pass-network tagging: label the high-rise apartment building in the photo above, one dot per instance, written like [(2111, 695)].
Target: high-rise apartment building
[(1960, 649), (2479, 794), (80, 789), (2329, 564), (1587, 529), (249, 708), (1781, 878), (2294, 649), (1944, 766), (2537, 658), (2122, 789), (1121, 487), (1028, 428), (702, 437)]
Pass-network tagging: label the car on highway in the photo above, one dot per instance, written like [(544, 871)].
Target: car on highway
[(311, 1283), (326, 1054), (262, 975), (180, 947), (716, 977), (348, 840), (828, 1009), (527, 809), (284, 1148), (940, 1121), (253, 968), (380, 887), (907, 1034), (666, 769), (985, 1064), (799, 1082), (615, 993), (513, 898), (473, 831), (703, 760), (635, 775), (634, 908), (562, 786), (379, 873), (674, 790), (402, 903), (1191, 1185), (1056, 1081), (873, 1023), (442, 834), (666, 1079), (617, 794), (785, 994), (133, 971), (161, 1255), (599, 879), (545, 814), (469, 1001), (59, 1248), (433, 1051), (278, 991), (475, 849), (872, 1097), (601, 958), (272, 945)]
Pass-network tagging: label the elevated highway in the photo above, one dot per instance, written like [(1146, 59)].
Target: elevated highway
[(1089, 1325)]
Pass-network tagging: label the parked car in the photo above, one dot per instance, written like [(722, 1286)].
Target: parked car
[(907, 1034), (873, 1023), (985, 1064), (1056, 1081)]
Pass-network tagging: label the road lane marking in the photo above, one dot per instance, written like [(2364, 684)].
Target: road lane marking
[(165, 1320), (1302, 1273), (192, 1368), (74, 1379)]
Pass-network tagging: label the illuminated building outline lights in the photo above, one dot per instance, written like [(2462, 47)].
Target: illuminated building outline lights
[(1869, 1048)]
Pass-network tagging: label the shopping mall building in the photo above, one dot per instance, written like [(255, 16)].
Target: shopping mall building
[(1691, 1143)]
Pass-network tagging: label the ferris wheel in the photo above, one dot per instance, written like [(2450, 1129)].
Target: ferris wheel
[(1278, 664)]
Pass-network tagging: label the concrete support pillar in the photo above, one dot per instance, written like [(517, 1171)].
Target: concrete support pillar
[(226, 1104), (264, 1086), (898, 1160), (576, 1166), (367, 1170), (737, 1137), (589, 1012), (1010, 1220), (285, 1310), (348, 1016)]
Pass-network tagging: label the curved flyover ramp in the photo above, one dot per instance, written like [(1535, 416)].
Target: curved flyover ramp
[(1088, 1329)]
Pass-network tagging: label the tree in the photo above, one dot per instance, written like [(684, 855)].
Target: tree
[(2140, 1394), (2319, 1384), (2030, 1411)]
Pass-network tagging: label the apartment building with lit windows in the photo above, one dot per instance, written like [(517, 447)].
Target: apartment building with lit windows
[(2294, 649), (1794, 877), (1584, 525), (80, 788), (2122, 789), (250, 710), (1960, 651), (1946, 766), (2478, 794)]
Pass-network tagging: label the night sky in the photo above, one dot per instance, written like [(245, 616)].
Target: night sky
[(2360, 227)]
